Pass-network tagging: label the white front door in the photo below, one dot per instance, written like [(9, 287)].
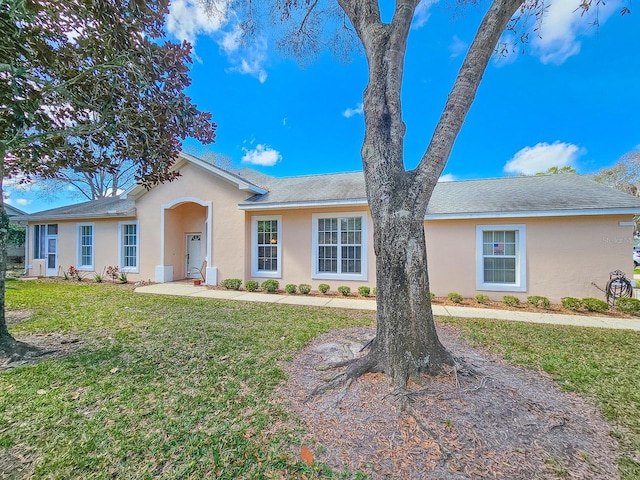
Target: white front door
[(194, 255), (52, 256)]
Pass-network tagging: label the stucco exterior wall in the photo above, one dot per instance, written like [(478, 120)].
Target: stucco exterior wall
[(297, 248), (564, 255)]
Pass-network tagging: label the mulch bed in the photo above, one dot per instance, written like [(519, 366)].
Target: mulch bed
[(506, 422)]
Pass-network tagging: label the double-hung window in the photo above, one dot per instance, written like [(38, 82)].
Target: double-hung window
[(501, 258), (128, 249), (339, 246), (85, 246), (266, 246)]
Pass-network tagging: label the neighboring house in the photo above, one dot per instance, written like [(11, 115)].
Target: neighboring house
[(551, 235), (15, 251)]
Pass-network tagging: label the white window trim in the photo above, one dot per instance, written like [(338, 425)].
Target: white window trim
[(254, 247), (42, 238), (79, 265), (135, 269), (521, 259), (315, 274)]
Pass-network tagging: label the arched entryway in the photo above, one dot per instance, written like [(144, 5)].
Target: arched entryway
[(185, 241)]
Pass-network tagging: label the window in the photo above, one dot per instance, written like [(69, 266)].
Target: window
[(39, 242), (339, 246), (85, 246), (501, 258), (128, 249), (266, 247)]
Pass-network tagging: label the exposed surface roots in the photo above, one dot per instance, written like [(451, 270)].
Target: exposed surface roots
[(30, 349), (487, 419)]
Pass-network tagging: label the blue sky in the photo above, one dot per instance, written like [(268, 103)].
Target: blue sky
[(572, 98)]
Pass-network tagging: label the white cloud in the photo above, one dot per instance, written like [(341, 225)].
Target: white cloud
[(246, 60), (447, 177), (188, 18), (422, 13), (563, 24), (350, 112), (457, 47), (261, 155), (23, 202), (539, 158)]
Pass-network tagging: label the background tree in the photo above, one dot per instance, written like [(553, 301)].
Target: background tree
[(84, 85), (624, 175), (406, 342), (558, 170)]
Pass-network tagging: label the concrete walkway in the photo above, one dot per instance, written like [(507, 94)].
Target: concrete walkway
[(187, 289)]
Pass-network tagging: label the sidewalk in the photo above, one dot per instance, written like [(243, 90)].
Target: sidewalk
[(186, 289)]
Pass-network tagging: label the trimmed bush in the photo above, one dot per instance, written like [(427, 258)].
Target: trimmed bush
[(375, 290), (304, 289), (483, 299), (270, 285), (538, 301), (433, 295), (510, 300), (629, 305), (290, 288), (344, 290), (251, 285), (323, 288), (232, 283), (455, 297), (571, 303), (595, 304), (364, 291)]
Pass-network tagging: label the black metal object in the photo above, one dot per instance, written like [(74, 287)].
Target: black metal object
[(618, 286)]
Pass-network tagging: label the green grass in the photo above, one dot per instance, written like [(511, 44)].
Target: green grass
[(164, 388), (168, 387), (603, 365)]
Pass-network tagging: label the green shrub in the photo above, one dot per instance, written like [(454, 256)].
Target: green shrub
[(232, 283), (364, 291), (290, 288), (629, 305), (270, 285), (483, 299), (571, 303), (344, 290), (375, 291), (251, 285), (432, 295), (538, 301), (510, 300), (323, 288), (595, 304), (304, 288), (455, 297), (123, 278)]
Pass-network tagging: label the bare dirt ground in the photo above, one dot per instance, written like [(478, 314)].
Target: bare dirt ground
[(506, 422)]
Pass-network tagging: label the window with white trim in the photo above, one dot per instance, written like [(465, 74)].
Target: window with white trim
[(339, 246), (128, 250), (85, 246), (266, 246), (501, 258)]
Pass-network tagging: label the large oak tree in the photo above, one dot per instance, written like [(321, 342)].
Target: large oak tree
[(406, 343), (86, 85)]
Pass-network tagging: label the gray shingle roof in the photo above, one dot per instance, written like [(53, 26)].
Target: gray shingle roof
[(559, 194), (104, 207)]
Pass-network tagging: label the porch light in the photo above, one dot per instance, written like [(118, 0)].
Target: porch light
[(274, 241)]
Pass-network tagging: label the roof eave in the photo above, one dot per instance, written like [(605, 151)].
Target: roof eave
[(358, 202), (83, 216), (534, 214)]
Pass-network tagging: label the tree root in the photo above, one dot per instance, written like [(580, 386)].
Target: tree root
[(14, 350), (356, 368)]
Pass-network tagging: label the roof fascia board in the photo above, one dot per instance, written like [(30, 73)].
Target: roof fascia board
[(546, 213), (39, 218), (309, 204)]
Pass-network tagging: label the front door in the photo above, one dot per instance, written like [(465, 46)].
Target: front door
[(194, 255), (52, 256)]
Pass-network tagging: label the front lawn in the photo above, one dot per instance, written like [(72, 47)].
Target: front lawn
[(167, 387)]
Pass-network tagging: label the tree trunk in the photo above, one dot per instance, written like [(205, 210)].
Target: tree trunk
[(406, 342)]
